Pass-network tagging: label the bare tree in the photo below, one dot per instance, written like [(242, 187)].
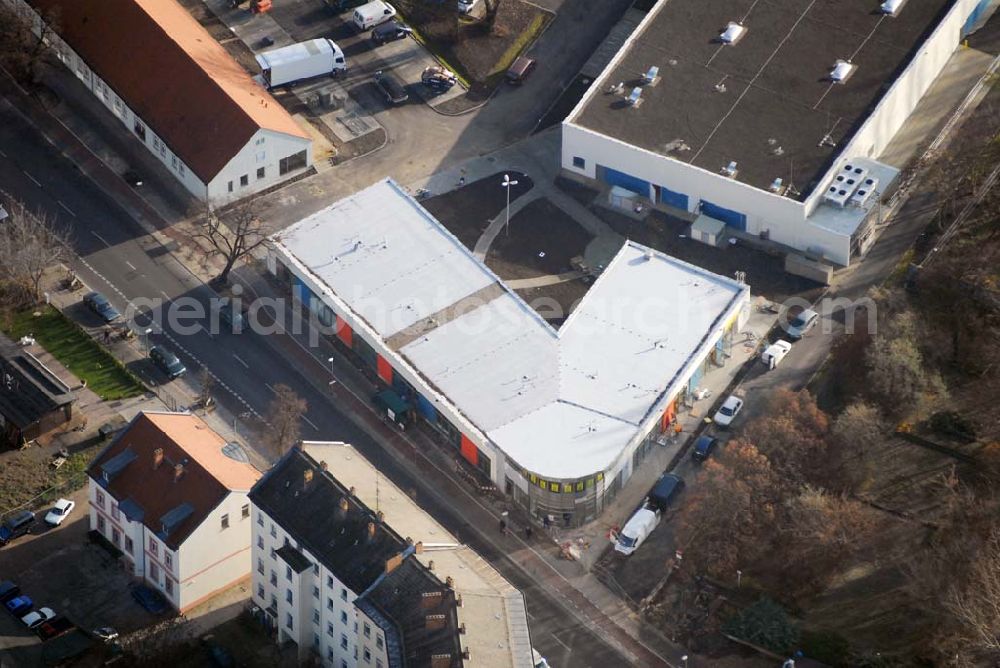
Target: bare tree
[(854, 437), (285, 415), (30, 242), (25, 42), (241, 232)]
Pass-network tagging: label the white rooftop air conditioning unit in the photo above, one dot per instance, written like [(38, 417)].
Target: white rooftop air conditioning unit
[(842, 71), (777, 185), (733, 33), (635, 97), (651, 77), (730, 170), (891, 7)]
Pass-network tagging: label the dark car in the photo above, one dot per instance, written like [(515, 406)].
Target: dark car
[(54, 628), (667, 487), (149, 599), (19, 606), (390, 32), (520, 70), (8, 590), (703, 448), (438, 79), (219, 655), (167, 362), (100, 305), (16, 526), (391, 87), (229, 315)]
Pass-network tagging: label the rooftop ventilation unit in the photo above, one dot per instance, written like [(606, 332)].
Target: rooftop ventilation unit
[(635, 97), (730, 170), (733, 33), (892, 7), (864, 192), (777, 186), (842, 71), (844, 184), (651, 77), (720, 87)]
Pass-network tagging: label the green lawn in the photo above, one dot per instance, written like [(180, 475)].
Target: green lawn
[(75, 350)]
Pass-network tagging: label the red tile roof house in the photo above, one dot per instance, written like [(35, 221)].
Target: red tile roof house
[(179, 92), (168, 495)]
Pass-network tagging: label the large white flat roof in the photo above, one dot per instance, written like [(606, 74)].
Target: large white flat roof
[(562, 404)]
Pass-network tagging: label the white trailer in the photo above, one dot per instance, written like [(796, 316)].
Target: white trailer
[(304, 60)]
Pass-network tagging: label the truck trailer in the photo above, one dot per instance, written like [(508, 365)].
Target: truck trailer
[(305, 60)]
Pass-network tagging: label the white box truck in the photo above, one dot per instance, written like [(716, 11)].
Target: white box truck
[(304, 60), (370, 15)]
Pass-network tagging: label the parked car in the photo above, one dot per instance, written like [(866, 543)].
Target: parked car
[(373, 13), (219, 655), (149, 599), (229, 315), (8, 590), (520, 70), (391, 87), (16, 526), (466, 6), (100, 305), (54, 628), (647, 516), (438, 78), (390, 32), (38, 617), (775, 353), (167, 362), (59, 512), (133, 178), (19, 605), (802, 323), (728, 411), (105, 634), (703, 448)]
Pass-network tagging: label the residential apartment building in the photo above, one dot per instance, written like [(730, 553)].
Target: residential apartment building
[(171, 494), (356, 587), (179, 92)]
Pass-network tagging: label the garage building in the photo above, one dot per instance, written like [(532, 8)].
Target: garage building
[(178, 91), (558, 419), (768, 116)]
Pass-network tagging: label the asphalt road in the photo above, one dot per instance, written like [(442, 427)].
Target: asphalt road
[(119, 259)]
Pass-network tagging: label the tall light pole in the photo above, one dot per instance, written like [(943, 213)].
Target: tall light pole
[(685, 660), (333, 374), (507, 183), (145, 339)]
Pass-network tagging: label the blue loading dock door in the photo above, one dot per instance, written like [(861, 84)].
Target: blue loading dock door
[(615, 178), (733, 219), (674, 199)]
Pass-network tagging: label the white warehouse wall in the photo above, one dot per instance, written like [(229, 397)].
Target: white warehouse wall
[(265, 149)]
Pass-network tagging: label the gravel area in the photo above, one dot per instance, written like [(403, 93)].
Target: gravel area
[(542, 240), (467, 211)]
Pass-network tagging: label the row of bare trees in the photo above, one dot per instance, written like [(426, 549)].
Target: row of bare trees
[(24, 44), (30, 242)]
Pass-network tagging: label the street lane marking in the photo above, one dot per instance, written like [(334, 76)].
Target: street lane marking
[(310, 423), (245, 365), (270, 388), (33, 179), (131, 266), (3, 154), (164, 294), (568, 648), (101, 238), (68, 210)]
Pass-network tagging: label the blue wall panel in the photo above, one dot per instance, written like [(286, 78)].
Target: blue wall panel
[(616, 178), (674, 199), (728, 216)]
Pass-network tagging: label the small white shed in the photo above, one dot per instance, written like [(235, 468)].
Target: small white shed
[(708, 230)]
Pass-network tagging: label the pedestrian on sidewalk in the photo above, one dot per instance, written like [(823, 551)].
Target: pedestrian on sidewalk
[(527, 532), (503, 526), (461, 181)]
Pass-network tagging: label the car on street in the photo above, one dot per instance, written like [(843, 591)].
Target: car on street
[(133, 178), (229, 315), (520, 70), (390, 32), (647, 516), (775, 353), (38, 617), (728, 411), (105, 634), (16, 526), (19, 605), (167, 362), (100, 305), (149, 599), (703, 448), (54, 628), (392, 89), (60, 511), (800, 324), (8, 590), (438, 79)]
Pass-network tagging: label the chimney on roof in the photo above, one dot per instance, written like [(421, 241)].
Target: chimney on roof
[(392, 563), (440, 660), (157, 458), (466, 654), (430, 565), (307, 477), (380, 516), (178, 472), (461, 628), (371, 530), (430, 599), (344, 506), (323, 466), (435, 622), (419, 547), (351, 491), (450, 582)]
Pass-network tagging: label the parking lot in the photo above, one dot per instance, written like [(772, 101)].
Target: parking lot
[(60, 569)]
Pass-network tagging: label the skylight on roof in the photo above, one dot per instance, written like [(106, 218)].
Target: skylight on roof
[(733, 33), (842, 71)]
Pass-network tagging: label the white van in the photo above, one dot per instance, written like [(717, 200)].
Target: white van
[(370, 15), (775, 353)]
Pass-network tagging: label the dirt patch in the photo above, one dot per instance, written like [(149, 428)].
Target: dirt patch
[(541, 241), (478, 51), (467, 210), (556, 302), (765, 273)]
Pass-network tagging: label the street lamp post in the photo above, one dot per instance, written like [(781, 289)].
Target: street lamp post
[(145, 339), (685, 660), (507, 183), (739, 578), (333, 373)]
